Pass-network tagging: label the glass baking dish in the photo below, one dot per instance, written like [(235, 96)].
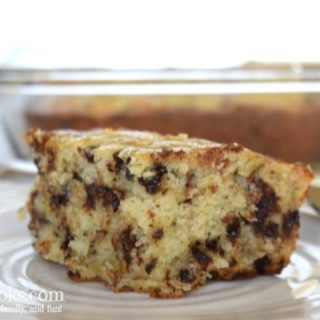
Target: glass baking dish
[(273, 109)]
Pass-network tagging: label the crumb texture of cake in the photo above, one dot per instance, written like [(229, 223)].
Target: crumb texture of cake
[(161, 214)]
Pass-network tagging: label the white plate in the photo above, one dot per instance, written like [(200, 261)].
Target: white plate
[(294, 294)]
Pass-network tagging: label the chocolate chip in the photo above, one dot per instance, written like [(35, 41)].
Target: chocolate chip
[(76, 176), (158, 234), (266, 204), (261, 264), (268, 199), (289, 221), (58, 200), (68, 237), (270, 230), (233, 262), (187, 276), (202, 258), (150, 266), (110, 167), (189, 180), (152, 184), (92, 190), (233, 228), (108, 196), (129, 175), (212, 245), (160, 169), (128, 241), (119, 163), (75, 276), (89, 156)]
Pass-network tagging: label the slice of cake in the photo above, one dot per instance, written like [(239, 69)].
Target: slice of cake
[(161, 214)]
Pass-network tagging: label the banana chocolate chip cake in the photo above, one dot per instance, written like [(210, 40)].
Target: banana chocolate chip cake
[(161, 214)]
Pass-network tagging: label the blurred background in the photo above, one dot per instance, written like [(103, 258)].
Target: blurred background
[(243, 71)]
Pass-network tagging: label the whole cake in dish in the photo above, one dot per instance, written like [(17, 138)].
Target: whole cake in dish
[(161, 214), (256, 121)]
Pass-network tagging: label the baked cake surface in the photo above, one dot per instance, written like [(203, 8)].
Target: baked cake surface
[(161, 214)]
